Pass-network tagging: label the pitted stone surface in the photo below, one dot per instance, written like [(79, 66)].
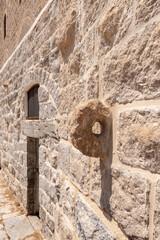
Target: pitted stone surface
[(81, 123), (88, 225), (133, 190), (139, 138)]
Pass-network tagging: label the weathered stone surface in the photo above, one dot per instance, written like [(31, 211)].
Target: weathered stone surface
[(81, 123), (79, 170), (157, 213), (70, 96), (132, 71), (91, 10), (18, 227), (114, 24), (65, 38), (67, 200), (63, 156), (130, 202), (152, 8), (43, 94), (88, 225), (139, 138), (66, 229)]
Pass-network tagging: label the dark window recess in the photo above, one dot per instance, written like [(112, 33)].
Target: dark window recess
[(20, 2), (33, 104), (5, 26)]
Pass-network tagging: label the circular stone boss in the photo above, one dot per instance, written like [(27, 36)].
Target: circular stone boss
[(81, 123)]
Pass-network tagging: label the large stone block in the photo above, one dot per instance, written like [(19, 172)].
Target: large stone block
[(132, 71), (67, 200), (66, 34), (139, 138), (157, 213), (151, 9), (70, 96), (90, 12), (89, 226), (114, 24), (130, 202), (63, 161), (66, 229), (79, 170)]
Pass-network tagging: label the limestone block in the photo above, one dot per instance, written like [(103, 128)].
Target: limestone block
[(92, 81), (63, 126), (79, 170), (132, 71), (67, 200), (66, 229), (90, 12), (43, 94), (100, 184), (63, 156), (89, 49), (55, 185), (50, 222), (88, 225), (69, 72), (114, 23), (130, 202), (157, 213), (151, 9), (82, 120), (65, 37), (18, 227), (42, 158), (47, 110), (71, 96), (139, 138)]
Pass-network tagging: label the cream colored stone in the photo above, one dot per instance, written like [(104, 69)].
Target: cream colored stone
[(130, 202), (139, 138), (79, 170)]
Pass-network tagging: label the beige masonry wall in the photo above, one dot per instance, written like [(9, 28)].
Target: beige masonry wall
[(80, 50), (19, 18)]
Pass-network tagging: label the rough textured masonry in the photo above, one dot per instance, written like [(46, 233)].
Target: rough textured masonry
[(96, 65)]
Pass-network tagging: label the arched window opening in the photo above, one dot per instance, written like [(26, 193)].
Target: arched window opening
[(20, 2), (5, 26), (33, 103)]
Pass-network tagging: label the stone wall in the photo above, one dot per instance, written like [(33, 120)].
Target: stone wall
[(80, 50), (19, 18)]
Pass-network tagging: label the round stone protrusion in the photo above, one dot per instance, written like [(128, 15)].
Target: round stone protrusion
[(82, 122)]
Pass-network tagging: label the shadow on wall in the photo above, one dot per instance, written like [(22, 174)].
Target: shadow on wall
[(106, 180)]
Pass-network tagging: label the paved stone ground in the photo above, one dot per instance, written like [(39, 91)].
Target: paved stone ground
[(14, 224)]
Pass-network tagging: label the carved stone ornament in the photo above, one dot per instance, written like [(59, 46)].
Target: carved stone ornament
[(81, 123)]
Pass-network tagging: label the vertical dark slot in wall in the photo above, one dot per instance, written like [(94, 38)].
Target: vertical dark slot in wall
[(33, 176), (5, 28)]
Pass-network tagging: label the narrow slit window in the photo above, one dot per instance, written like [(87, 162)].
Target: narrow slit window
[(20, 2), (33, 103), (5, 26)]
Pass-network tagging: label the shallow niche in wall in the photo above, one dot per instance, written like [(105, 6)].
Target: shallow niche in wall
[(32, 103)]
